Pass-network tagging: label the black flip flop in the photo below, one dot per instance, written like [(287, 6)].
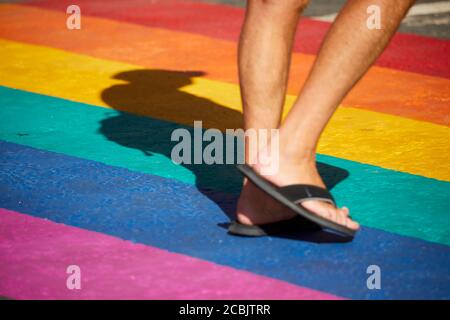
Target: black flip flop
[(284, 227), (291, 196)]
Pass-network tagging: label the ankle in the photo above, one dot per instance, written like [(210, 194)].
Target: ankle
[(301, 156)]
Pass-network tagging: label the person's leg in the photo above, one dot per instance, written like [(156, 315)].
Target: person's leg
[(348, 50), (264, 55)]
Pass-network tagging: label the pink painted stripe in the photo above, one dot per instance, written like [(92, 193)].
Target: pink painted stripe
[(35, 253)]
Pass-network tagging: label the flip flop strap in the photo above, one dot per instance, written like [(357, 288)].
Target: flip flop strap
[(298, 193)]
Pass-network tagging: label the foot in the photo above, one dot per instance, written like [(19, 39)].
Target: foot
[(255, 207)]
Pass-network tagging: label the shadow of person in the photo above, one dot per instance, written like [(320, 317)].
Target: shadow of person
[(158, 94), (152, 105)]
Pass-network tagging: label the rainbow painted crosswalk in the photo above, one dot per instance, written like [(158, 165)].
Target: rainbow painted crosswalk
[(86, 176)]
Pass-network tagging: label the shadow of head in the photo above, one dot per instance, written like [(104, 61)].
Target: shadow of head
[(164, 80), (159, 94)]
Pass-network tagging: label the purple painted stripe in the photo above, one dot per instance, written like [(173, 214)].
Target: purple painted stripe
[(35, 254)]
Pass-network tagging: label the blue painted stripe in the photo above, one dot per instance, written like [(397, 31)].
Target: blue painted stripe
[(385, 199), (178, 217)]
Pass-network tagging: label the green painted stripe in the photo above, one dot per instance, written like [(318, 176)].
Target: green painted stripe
[(393, 201)]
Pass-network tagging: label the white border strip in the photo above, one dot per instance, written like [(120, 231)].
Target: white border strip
[(416, 10)]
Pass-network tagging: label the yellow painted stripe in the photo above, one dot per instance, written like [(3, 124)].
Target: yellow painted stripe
[(390, 91), (365, 136)]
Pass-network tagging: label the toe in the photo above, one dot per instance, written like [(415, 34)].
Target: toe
[(352, 224), (334, 215), (345, 210), (340, 217), (331, 213)]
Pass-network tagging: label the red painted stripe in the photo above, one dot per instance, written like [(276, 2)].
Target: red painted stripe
[(406, 52), (35, 254)]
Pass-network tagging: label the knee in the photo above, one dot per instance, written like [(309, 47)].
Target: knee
[(286, 4)]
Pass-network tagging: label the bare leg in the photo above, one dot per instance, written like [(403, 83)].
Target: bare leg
[(347, 52), (264, 56)]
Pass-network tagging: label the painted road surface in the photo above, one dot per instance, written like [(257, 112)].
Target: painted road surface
[(86, 177)]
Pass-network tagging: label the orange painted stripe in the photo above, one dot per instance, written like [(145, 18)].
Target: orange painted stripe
[(385, 90), (407, 52)]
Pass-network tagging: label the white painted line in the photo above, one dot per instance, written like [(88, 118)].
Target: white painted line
[(327, 18), (416, 10), (429, 8)]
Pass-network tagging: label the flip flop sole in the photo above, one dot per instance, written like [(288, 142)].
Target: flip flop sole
[(271, 190), (288, 226)]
